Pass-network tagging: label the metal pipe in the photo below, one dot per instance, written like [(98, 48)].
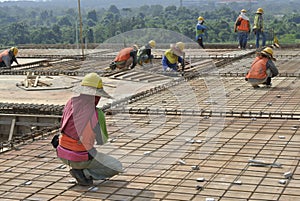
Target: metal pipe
[(80, 25)]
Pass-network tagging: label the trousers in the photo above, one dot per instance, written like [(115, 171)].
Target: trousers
[(102, 166)]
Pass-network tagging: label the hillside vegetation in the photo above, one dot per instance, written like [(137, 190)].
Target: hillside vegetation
[(38, 25)]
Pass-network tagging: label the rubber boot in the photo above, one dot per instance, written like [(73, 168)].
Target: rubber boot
[(80, 178)]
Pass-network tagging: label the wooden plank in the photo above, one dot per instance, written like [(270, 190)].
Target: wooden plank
[(36, 81), (45, 83), (26, 83)]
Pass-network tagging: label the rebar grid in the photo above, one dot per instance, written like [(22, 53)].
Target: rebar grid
[(240, 99), (160, 150), (229, 152)]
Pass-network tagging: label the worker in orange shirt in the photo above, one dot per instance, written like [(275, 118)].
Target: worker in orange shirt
[(126, 58), (242, 26), (262, 69)]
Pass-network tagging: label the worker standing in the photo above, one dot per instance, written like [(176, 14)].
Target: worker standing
[(173, 57), (262, 69), (7, 57), (82, 125), (144, 53), (200, 31), (242, 26), (258, 27), (126, 58)]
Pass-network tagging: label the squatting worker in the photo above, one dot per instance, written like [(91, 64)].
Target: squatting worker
[(144, 53), (242, 26), (262, 69), (7, 57), (126, 58), (82, 125), (173, 56)]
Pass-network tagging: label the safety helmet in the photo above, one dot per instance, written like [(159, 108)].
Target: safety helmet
[(180, 45), (268, 50), (200, 18), (259, 10), (135, 47), (92, 85), (14, 50), (243, 11), (92, 80), (152, 43)]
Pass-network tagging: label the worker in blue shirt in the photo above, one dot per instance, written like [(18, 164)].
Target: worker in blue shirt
[(200, 31)]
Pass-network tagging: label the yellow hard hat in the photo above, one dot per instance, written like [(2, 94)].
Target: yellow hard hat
[(243, 11), (268, 52), (259, 10), (14, 50), (180, 45), (92, 80), (92, 85), (200, 18), (152, 43)]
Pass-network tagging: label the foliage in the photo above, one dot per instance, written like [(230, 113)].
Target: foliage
[(23, 25)]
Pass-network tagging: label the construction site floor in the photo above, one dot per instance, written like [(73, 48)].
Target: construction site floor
[(205, 139)]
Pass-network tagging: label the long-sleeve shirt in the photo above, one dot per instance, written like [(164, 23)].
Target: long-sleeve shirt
[(270, 65), (171, 60), (200, 29)]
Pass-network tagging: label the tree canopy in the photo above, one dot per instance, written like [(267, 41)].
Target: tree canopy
[(22, 25)]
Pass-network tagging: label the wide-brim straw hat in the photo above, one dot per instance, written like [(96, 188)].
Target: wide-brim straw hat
[(176, 50), (92, 85), (87, 90)]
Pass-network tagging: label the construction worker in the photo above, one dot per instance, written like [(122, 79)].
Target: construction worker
[(144, 53), (200, 31), (258, 27), (126, 58), (242, 26), (7, 57), (82, 125), (262, 69), (173, 56)]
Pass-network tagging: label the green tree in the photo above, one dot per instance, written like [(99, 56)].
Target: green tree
[(19, 33), (92, 15)]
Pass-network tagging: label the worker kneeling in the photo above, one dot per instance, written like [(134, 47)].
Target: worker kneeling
[(82, 125), (262, 69), (144, 53), (173, 56), (126, 58)]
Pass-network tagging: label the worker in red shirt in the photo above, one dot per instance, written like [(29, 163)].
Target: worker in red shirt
[(83, 125)]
